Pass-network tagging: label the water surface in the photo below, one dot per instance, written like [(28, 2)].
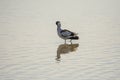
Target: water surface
[(31, 50)]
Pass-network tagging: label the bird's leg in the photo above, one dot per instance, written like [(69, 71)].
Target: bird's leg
[(65, 41), (71, 41)]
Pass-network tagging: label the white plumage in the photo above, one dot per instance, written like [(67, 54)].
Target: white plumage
[(65, 34)]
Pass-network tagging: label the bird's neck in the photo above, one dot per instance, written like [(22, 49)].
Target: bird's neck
[(59, 28)]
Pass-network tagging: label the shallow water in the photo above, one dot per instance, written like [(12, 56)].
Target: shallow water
[(31, 50)]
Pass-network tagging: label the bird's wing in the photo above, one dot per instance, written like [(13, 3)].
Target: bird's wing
[(67, 33), (73, 33)]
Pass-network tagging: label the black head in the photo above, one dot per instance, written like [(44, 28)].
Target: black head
[(57, 22)]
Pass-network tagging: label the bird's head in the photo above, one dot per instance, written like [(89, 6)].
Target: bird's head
[(58, 23)]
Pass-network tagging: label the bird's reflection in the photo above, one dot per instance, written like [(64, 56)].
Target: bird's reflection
[(65, 48)]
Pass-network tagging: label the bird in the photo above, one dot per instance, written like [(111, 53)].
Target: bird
[(66, 34)]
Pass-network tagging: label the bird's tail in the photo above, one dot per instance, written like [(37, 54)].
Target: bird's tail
[(74, 37)]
